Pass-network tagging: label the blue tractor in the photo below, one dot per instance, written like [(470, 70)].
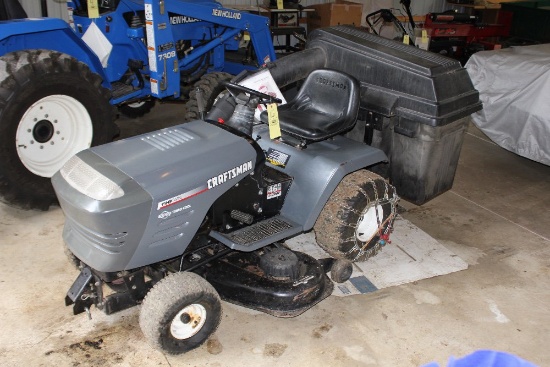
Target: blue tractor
[(62, 83)]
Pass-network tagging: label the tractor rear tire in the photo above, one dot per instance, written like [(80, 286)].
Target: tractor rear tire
[(137, 109), (51, 107), (212, 87), (359, 212), (180, 312)]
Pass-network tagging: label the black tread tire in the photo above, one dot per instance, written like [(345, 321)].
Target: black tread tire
[(166, 299), (138, 111), (26, 77), (211, 85), (341, 270), (335, 226)]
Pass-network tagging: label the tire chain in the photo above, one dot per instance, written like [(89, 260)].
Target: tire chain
[(381, 242)]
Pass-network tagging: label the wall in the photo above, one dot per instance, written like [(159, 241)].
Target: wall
[(56, 8)]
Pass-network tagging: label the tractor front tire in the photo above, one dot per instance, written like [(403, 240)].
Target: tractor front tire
[(51, 107), (180, 312), (137, 109), (357, 217), (212, 86)]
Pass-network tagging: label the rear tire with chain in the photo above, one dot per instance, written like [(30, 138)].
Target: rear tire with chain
[(51, 107), (180, 312), (212, 87), (359, 211)]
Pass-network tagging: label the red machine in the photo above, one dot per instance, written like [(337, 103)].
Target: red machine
[(459, 35)]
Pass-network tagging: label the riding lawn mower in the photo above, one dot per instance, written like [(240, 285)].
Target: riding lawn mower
[(177, 219)]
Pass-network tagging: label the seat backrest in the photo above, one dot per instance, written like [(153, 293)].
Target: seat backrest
[(326, 105), (330, 92)]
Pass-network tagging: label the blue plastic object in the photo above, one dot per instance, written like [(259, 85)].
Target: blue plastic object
[(486, 358)]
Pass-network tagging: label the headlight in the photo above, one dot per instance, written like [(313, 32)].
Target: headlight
[(88, 181)]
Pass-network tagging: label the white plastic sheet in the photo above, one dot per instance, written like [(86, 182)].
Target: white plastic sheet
[(99, 44), (514, 86)]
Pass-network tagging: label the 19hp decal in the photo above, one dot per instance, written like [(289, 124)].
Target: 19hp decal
[(181, 197)]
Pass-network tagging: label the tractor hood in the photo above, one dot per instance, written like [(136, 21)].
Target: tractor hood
[(166, 160), (155, 190)]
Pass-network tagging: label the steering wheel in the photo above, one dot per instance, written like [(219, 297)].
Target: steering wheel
[(264, 98)]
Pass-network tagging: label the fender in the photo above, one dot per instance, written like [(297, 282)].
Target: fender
[(316, 170), (51, 34)]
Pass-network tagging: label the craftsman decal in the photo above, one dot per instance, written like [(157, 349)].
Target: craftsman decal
[(210, 184), (331, 83), (274, 191), (226, 14), (228, 175), (277, 158)]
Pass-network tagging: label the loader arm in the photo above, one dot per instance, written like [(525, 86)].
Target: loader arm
[(163, 61)]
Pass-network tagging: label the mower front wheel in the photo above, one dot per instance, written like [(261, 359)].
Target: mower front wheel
[(180, 312)]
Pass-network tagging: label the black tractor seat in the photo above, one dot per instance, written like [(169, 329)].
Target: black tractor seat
[(326, 105)]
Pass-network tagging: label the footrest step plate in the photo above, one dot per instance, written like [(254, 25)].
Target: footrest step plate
[(258, 235)]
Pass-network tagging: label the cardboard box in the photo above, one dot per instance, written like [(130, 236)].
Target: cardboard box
[(337, 13)]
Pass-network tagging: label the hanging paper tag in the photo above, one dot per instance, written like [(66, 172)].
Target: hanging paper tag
[(246, 36), (406, 39), (273, 118), (93, 9), (424, 36), (280, 4)]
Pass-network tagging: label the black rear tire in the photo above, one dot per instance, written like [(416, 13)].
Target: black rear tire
[(180, 312), (212, 87), (32, 82), (357, 217)]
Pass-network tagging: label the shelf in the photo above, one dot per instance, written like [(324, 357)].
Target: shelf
[(488, 5)]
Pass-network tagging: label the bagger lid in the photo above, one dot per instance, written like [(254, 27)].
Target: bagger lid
[(398, 79)]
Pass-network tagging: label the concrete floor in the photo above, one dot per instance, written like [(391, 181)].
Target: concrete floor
[(496, 218)]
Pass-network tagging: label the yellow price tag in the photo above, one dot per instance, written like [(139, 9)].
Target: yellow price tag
[(424, 36), (406, 39), (280, 4), (93, 9), (246, 36), (273, 118)]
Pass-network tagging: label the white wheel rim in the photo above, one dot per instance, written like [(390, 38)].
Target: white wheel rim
[(367, 226), (51, 131), (136, 104), (195, 317)]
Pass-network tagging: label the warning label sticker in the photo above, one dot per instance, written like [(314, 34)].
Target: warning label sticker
[(277, 158)]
